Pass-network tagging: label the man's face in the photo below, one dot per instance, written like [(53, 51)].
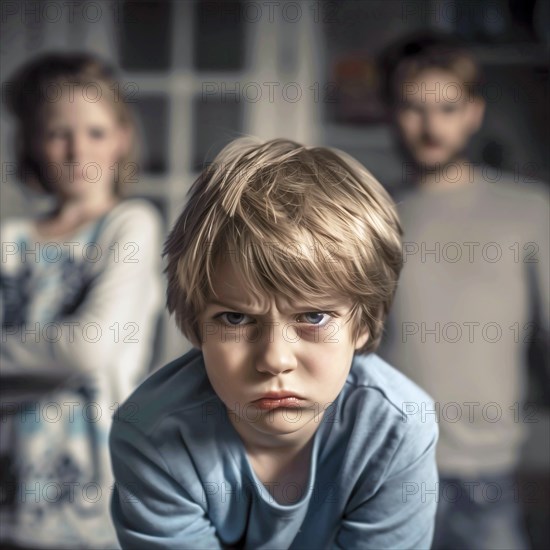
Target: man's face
[(436, 116), (252, 348)]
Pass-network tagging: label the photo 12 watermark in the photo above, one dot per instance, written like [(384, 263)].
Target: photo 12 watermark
[(481, 492), (472, 412), (236, 91), (471, 332), (67, 90), (470, 251), (249, 412), (225, 492), (66, 411), (51, 252)]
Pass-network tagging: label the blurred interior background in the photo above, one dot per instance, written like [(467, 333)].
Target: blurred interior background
[(202, 73)]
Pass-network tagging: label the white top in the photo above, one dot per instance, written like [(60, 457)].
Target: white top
[(83, 313)]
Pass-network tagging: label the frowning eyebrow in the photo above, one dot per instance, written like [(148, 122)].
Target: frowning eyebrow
[(300, 307)]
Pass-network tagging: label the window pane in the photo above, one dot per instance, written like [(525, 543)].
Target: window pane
[(216, 121), (153, 118), (219, 36), (145, 35)]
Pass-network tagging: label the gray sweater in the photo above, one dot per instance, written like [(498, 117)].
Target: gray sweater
[(474, 284)]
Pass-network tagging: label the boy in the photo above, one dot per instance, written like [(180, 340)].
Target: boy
[(474, 282), (285, 430)]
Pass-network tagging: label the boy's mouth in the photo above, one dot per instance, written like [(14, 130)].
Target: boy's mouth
[(275, 399), (267, 403)]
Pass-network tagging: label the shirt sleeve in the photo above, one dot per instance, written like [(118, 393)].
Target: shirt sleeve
[(119, 310), (150, 509), (401, 514)]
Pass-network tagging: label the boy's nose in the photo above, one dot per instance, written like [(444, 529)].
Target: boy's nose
[(275, 353)]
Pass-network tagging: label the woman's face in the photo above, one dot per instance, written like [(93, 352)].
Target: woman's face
[(79, 144)]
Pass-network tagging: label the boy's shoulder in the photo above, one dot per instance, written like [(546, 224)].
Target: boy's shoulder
[(384, 416), (394, 390), (179, 387)]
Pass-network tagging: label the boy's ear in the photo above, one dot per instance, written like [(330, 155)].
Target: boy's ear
[(362, 340), (195, 340), (192, 338), (477, 111)]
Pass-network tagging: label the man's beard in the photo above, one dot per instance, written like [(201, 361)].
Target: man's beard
[(423, 167), (454, 158)]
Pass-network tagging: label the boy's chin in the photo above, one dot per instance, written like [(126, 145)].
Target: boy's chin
[(283, 421)]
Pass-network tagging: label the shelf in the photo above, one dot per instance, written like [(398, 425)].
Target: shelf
[(375, 137), (510, 54)]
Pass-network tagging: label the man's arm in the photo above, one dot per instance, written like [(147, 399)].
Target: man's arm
[(401, 514), (150, 509), (539, 262)]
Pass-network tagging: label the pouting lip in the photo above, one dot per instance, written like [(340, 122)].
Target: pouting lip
[(279, 395)]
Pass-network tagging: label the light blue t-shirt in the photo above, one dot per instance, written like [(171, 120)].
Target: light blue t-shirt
[(183, 479)]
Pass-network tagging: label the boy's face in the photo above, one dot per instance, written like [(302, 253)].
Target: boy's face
[(252, 348), (436, 116)]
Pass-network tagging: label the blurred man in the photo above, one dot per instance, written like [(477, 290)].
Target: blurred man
[(475, 278)]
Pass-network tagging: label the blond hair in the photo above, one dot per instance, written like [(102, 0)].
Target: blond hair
[(295, 221), (27, 93)]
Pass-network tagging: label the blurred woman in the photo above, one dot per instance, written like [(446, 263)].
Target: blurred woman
[(81, 296)]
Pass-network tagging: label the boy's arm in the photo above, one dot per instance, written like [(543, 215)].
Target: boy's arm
[(150, 509), (401, 514)]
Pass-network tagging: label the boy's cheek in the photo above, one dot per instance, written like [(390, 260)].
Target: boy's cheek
[(210, 333), (329, 368), (225, 362)]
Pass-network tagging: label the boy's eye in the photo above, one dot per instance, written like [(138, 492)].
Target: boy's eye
[(316, 318), (231, 318)]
